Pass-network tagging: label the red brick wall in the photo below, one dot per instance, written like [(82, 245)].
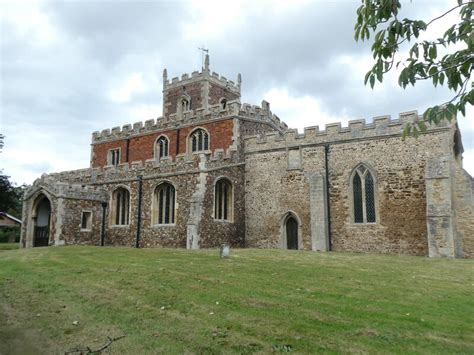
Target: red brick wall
[(99, 152), (141, 148)]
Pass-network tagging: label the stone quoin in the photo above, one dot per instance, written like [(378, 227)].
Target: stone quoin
[(214, 171)]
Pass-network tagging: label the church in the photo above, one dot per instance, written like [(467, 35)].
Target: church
[(212, 171)]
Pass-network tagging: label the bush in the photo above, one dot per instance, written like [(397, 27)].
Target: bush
[(9, 234)]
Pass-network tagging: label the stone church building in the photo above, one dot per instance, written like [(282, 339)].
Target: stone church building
[(212, 170)]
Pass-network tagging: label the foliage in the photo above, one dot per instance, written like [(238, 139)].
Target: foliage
[(10, 234), (425, 59), (176, 301), (10, 196)]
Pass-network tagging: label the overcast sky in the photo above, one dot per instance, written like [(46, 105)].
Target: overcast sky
[(71, 68)]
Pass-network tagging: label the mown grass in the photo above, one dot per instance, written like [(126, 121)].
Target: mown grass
[(257, 301), (9, 246)]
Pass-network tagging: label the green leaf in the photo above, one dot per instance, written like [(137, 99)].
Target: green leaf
[(372, 81)]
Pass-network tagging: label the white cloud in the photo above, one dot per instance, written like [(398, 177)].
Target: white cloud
[(122, 92), (300, 111), (143, 112), (70, 68)]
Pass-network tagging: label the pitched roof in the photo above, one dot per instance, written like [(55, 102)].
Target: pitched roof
[(6, 215)]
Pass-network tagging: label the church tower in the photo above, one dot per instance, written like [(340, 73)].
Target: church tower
[(197, 92)]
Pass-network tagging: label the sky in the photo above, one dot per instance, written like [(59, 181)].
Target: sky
[(73, 67)]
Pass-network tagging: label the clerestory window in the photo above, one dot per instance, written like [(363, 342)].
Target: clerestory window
[(113, 157), (161, 147), (199, 140), (363, 195)]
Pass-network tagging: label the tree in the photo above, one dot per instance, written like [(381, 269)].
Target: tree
[(425, 60), (10, 196)]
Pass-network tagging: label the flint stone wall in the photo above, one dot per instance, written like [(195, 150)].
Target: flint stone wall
[(276, 184)]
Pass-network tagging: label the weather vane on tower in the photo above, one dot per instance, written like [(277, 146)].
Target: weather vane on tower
[(203, 50)]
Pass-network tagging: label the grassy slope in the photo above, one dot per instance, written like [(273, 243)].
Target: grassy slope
[(166, 301)]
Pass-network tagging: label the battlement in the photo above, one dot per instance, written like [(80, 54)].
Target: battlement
[(196, 76), (232, 109), (357, 129), (76, 183), (204, 74)]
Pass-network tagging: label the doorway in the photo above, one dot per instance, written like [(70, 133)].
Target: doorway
[(291, 233), (41, 227)]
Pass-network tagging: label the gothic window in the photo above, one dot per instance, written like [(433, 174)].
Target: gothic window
[(199, 140), (164, 204), (120, 207), (113, 157), (223, 204), (161, 148), (363, 190)]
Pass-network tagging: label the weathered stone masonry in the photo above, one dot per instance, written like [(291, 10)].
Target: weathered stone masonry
[(358, 188)]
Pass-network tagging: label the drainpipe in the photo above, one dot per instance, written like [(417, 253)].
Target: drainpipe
[(328, 199), (177, 141), (127, 150), (102, 234), (139, 218)]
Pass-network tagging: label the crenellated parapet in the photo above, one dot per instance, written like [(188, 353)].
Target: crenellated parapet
[(80, 183), (356, 129), (214, 78), (232, 109)]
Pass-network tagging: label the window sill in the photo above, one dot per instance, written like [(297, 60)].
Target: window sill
[(164, 225), (120, 226), (86, 230), (225, 221)]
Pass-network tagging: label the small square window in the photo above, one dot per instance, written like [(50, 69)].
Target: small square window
[(86, 221)]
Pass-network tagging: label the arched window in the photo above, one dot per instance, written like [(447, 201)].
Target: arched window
[(164, 204), (161, 147), (223, 204), (199, 140), (363, 190), (120, 207)]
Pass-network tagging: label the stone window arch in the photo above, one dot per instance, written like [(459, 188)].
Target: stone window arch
[(363, 195), (120, 210), (198, 140), (223, 200), (164, 203), (162, 147)]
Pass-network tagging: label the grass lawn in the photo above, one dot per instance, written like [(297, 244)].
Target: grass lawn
[(9, 246), (257, 301)]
